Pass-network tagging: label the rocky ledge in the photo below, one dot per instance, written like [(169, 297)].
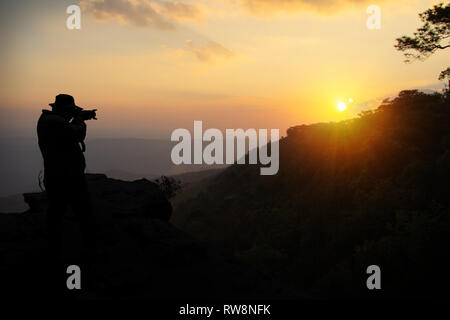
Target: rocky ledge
[(140, 253)]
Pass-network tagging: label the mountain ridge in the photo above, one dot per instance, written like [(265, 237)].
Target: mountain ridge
[(348, 195)]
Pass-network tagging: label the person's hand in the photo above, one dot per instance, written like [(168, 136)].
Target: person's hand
[(88, 114)]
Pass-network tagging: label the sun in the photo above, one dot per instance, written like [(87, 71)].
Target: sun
[(341, 106)]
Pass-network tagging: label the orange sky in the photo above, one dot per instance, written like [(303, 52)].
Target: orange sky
[(151, 66)]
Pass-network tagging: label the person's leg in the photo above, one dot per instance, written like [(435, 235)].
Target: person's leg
[(57, 204), (81, 203)]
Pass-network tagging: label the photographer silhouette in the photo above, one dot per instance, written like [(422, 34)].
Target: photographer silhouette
[(61, 133)]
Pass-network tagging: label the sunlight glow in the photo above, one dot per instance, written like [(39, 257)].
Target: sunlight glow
[(341, 106)]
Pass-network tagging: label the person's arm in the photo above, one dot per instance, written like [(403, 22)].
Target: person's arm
[(77, 128), (68, 131)]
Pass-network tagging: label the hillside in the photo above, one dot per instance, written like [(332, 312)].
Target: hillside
[(126, 158), (370, 190), (140, 253)]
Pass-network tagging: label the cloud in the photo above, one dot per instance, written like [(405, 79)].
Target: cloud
[(143, 13), (209, 50), (270, 6), (180, 10)]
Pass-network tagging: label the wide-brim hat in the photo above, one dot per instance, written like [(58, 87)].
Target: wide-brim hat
[(64, 101)]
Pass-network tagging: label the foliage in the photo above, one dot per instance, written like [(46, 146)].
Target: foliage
[(169, 186), (370, 190), (445, 74), (429, 37)]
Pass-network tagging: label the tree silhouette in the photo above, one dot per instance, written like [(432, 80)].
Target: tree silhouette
[(429, 38), (169, 186)]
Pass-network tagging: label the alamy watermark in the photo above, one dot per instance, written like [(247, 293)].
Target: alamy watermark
[(74, 278), (374, 20), (374, 280), (213, 153), (74, 20)]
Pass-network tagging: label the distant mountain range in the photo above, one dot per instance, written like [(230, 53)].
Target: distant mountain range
[(127, 159), (184, 178)]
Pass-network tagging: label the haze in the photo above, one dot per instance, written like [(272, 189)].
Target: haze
[(153, 66)]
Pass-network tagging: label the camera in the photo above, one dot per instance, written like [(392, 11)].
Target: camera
[(86, 114)]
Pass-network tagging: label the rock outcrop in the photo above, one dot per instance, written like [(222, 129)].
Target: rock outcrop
[(140, 254)]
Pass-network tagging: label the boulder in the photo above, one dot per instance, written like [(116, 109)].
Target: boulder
[(140, 254)]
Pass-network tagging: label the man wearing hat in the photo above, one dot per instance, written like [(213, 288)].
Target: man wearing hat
[(60, 133)]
